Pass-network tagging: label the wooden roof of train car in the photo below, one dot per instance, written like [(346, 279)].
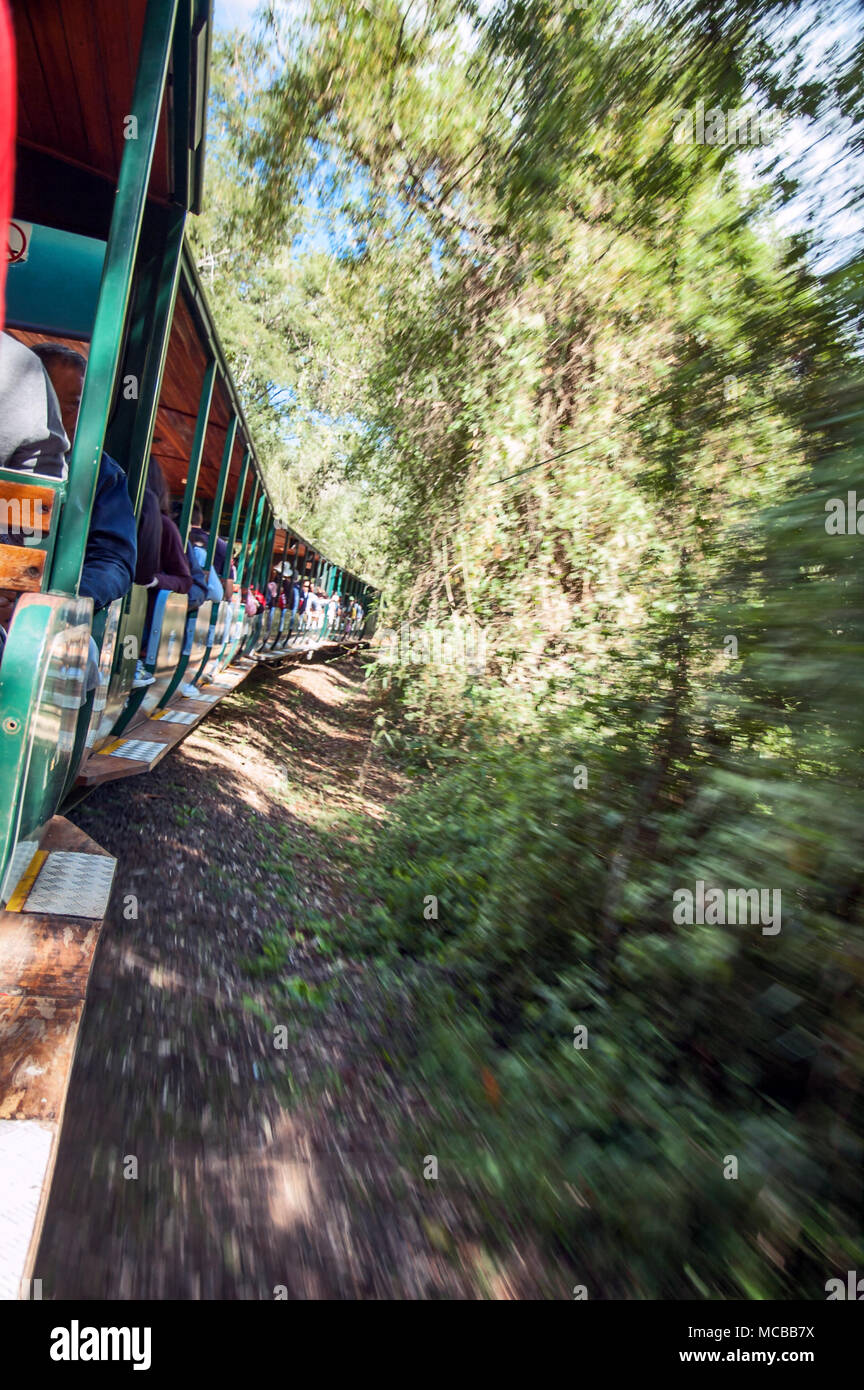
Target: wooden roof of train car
[(77, 65), (77, 62)]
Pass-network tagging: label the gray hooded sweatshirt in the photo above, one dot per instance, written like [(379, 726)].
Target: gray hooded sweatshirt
[(32, 437)]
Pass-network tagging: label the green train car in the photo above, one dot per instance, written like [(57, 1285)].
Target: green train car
[(109, 164), (112, 98)]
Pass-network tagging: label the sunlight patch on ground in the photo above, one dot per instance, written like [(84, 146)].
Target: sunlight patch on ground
[(320, 683)]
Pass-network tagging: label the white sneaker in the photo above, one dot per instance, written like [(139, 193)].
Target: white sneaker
[(189, 691), (142, 676)]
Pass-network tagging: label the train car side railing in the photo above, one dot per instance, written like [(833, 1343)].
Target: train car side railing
[(42, 677)]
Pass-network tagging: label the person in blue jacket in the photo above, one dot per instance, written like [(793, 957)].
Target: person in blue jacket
[(111, 553)]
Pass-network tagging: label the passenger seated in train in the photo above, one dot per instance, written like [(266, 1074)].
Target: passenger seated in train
[(200, 538), (149, 540), (110, 555), (112, 550), (303, 601), (8, 597), (296, 592), (313, 607), (173, 573), (205, 583), (32, 437)]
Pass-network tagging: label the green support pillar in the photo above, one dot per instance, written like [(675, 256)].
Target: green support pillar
[(250, 572), (158, 334), (235, 515), (266, 555), (221, 488), (204, 402), (247, 530)]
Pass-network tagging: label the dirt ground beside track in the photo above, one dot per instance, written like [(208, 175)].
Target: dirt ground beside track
[(237, 1193)]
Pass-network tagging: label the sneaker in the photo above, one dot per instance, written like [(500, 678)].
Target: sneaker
[(189, 691), (142, 676)]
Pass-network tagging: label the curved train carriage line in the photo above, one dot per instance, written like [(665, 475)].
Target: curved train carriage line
[(109, 163)]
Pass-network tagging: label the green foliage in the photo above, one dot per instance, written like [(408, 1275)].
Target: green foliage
[(703, 1042), (580, 390), (271, 959)]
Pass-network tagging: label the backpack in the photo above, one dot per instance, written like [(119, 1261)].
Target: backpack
[(212, 582), (198, 591)]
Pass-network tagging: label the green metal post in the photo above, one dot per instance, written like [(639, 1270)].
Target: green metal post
[(154, 363), (195, 456), (181, 99), (107, 338), (221, 488), (250, 571), (260, 544), (247, 529), (266, 555), (281, 568), (261, 549), (235, 515), (292, 556)]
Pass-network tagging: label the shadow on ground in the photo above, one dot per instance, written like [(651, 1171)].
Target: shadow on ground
[(181, 1173)]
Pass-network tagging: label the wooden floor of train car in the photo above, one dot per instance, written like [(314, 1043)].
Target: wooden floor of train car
[(48, 937), (145, 744), (45, 960)]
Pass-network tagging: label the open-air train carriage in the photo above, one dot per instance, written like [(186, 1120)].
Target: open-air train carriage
[(109, 163), (110, 152)]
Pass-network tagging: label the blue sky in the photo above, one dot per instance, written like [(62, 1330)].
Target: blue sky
[(815, 155), (234, 14)]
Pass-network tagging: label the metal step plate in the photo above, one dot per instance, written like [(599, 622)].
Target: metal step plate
[(138, 749), (25, 1150), (65, 883), (177, 716)]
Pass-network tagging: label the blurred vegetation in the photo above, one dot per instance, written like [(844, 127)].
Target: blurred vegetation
[(579, 389)]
